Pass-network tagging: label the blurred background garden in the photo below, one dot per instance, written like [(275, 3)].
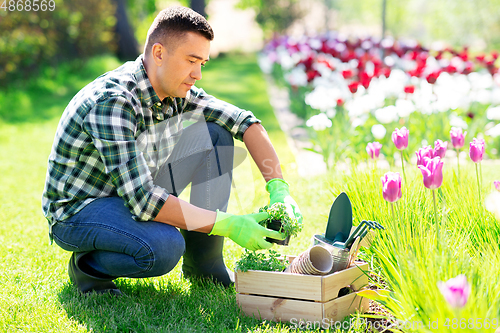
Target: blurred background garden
[(327, 78)]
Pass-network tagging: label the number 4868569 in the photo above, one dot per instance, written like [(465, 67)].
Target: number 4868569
[(28, 5)]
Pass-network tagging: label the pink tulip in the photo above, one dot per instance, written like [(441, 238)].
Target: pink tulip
[(424, 152), (476, 150), (456, 291), (457, 137), (432, 171), (497, 184), (400, 138), (373, 149), (440, 148), (391, 186)]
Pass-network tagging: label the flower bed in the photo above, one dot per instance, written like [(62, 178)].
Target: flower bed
[(352, 92)]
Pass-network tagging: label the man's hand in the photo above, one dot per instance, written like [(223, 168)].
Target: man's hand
[(279, 192), (245, 230)]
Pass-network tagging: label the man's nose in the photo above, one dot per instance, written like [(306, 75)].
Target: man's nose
[(196, 73)]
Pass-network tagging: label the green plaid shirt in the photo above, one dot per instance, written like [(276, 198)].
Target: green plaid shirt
[(103, 144)]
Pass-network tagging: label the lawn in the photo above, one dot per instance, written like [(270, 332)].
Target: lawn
[(37, 297)]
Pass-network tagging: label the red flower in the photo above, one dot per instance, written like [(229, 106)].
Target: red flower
[(410, 89), (353, 86), (347, 74), (469, 68), (480, 57), (340, 102), (494, 54), (464, 55), (385, 71), (450, 69), (365, 79), (312, 74), (432, 77)]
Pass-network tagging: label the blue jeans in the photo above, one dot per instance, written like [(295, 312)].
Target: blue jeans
[(119, 246)]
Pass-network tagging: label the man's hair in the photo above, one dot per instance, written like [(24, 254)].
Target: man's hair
[(173, 23)]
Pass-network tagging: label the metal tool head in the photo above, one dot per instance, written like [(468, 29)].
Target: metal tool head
[(340, 219)]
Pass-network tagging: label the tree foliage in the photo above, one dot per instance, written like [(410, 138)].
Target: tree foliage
[(457, 22), (30, 39), (274, 16)]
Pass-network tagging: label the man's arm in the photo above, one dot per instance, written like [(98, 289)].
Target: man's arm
[(262, 151), (260, 147), (184, 215)]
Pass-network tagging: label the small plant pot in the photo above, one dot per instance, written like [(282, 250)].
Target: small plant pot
[(276, 225)]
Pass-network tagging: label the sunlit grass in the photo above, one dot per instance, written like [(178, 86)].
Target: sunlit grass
[(37, 297)]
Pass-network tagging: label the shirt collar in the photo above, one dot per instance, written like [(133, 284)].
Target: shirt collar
[(149, 97)]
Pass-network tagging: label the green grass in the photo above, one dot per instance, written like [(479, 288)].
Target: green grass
[(37, 297)]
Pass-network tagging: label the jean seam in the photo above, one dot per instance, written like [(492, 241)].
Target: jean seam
[(62, 241), (190, 153), (123, 233)]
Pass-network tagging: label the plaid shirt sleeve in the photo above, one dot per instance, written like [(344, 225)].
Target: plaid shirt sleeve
[(230, 117), (112, 126)]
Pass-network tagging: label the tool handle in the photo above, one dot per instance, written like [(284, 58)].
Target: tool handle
[(358, 231)]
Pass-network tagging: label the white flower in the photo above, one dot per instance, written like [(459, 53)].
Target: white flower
[(404, 107), (378, 131), (492, 203), (265, 64), (323, 98), (319, 122), (297, 77), (387, 115), (493, 113), (456, 121), (494, 131)]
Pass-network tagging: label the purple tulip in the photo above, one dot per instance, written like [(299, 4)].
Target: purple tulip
[(432, 171), (373, 149), (391, 186), (476, 150), (440, 148), (456, 291), (424, 152), (457, 137), (400, 138), (497, 184)]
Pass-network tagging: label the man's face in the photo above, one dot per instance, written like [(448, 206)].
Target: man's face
[(181, 66)]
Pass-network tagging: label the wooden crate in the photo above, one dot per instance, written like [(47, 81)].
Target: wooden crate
[(283, 296)]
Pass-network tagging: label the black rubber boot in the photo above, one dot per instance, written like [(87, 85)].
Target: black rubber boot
[(86, 282), (203, 258)]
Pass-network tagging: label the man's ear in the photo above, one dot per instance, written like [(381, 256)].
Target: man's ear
[(158, 53)]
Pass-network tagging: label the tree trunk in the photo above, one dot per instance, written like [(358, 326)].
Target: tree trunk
[(128, 48), (198, 6), (384, 27)]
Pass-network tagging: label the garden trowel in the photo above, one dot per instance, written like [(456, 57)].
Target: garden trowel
[(339, 223), (337, 232)]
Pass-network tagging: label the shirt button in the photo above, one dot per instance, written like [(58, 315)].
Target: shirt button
[(158, 104), (149, 103)]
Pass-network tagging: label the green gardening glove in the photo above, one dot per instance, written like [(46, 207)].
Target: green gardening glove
[(245, 230), (279, 192)]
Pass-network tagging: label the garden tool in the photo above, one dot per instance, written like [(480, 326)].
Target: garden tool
[(338, 238), (337, 232), (339, 223), (361, 231), (353, 252)]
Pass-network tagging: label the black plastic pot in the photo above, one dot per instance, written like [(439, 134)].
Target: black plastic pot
[(276, 225)]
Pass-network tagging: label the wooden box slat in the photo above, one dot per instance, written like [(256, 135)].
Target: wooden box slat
[(282, 309), (297, 286)]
